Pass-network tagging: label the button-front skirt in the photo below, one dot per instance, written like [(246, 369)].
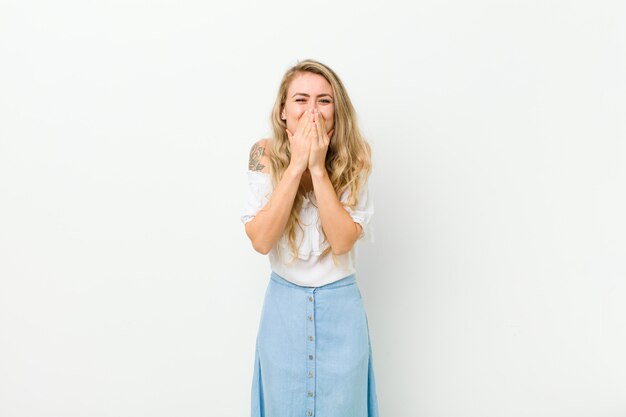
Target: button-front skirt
[(313, 353)]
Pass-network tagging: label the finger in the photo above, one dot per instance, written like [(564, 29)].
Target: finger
[(318, 128), (322, 122), (300, 124), (311, 127), (305, 120), (321, 131), (307, 123)]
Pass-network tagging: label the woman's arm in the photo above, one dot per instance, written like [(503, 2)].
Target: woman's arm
[(340, 230), (269, 223)]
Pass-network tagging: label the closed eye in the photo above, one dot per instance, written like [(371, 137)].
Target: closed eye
[(323, 100)]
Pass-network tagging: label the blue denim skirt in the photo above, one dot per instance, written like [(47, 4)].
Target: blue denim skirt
[(313, 352)]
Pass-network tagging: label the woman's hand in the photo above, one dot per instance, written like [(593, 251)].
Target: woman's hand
[(300, 141), (319, 145)]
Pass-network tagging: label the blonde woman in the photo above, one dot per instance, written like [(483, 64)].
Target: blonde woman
[(308, 205)]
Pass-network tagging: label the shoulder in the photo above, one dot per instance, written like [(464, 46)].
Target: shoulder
[(259, 159)]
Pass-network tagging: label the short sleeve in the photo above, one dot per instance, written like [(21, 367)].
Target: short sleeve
[(363, 211), (259, 191)]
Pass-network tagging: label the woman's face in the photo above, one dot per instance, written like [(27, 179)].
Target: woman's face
[(308, 91)]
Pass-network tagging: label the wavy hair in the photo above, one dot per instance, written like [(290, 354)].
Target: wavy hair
[(348, 159)]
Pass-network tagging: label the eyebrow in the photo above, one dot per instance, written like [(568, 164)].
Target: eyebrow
[(307, 95)]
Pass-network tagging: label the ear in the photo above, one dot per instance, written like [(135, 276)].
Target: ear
[(282, 114)]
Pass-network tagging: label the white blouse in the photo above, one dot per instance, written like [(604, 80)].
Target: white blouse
[(308, 269)]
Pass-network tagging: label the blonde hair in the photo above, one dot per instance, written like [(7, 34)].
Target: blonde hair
[(348, 159)]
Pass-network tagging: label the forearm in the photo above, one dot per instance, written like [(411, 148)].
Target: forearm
[(269, 223), (340, 230)]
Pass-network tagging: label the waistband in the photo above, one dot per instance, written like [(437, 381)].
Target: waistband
[(342, 282)]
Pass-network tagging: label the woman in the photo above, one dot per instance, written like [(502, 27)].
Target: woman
[(308, 205)]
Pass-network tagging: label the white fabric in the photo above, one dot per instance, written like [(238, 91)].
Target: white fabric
[(308, 269)]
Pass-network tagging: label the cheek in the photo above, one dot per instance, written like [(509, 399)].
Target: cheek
[(293, 116), (292, 122), (328, 117)]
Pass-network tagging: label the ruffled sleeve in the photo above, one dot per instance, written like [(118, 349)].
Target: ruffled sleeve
[(259, 191), (363, 211)]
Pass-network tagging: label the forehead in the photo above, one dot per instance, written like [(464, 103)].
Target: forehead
[(309, 83)]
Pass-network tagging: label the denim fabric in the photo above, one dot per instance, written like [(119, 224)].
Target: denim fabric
[(313, 353)]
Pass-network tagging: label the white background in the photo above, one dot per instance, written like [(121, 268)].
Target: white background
[(496, 285)]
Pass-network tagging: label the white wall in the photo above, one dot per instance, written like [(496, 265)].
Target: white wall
[(497, 280)]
